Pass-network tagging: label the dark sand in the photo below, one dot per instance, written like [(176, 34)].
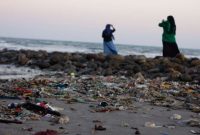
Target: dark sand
[(116, 122)]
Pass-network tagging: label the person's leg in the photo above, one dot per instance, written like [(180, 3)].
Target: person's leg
[(174, 50), (164, 49), (113, 48)]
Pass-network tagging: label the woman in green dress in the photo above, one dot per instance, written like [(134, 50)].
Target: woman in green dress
[(170, 47)]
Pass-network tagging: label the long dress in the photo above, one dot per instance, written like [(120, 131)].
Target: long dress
[(170, 47), (109, 48), (108, 45)]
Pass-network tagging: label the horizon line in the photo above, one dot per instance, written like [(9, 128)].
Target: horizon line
[(62, 40)]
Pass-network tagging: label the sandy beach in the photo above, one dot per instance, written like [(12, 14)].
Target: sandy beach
[(116, 123), (99, 67), (72, 93)]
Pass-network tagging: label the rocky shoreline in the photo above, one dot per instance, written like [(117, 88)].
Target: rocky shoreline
[(96, 93), (177, 69)]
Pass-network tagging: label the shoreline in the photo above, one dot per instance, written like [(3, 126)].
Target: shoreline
[(122, 94), (177, 69)]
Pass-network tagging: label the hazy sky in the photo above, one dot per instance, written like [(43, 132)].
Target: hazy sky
[(136, 21)]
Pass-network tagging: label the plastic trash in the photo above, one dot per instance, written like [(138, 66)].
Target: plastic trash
[(10, 97), (151, 125), (103, 104), (72, 75), (10, 121), (13, 105), (164, 134), (137, 132), (47, 132), (99, 127), (39, 109), (194, 132), (61, 85), (176, 117), (63, 120)]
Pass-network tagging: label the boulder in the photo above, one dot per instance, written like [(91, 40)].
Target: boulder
[(43, 64), (173, 74), (100, 57), (56, 58), (181, 57), (116, 58), (56, 67), (22, 59), (140, 59), (195, 62), (186, 77)]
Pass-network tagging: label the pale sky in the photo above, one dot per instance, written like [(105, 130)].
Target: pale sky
[(136, 21)]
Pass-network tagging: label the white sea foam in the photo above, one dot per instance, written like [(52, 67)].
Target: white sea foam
[(65, 46), (13, 72)]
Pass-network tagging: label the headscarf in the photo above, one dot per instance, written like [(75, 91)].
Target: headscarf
[(171, 20), (108, 31)]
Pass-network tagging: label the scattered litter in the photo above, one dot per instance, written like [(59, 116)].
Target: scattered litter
[(47, 132), (151, 125), (176, 117), (99, 127), (195, 132)]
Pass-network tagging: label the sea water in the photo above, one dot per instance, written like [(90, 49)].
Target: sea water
[(84, 47)]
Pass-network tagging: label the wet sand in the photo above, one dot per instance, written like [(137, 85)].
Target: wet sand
[(116, 122)]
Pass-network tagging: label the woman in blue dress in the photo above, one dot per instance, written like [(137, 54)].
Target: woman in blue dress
[(109, 47)]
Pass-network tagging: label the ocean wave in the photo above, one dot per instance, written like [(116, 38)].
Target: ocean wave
[(13, 72), (83, 47)]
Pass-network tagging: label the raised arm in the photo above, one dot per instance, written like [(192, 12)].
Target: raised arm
[(113, 29)]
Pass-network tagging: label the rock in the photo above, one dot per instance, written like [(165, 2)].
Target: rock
[(56, 67), (4, 60), (150, 124), (196, 79), (195, 62), (186, 77), (78, 57), (173, 74), (22, 59), (70, 68), (116, 58), (139, 77), (179, 67), (100, 57), (137, 132), (92, 65), (43, 64), (99, 127), (105, 64), (193, 123), (165, 61), (181, 57), (154, 70), (140, 59), (108, 71), (63, 120), (42, 54), (56, 58), (9, 54), (91, 57), (47, 132), (176, 117)]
